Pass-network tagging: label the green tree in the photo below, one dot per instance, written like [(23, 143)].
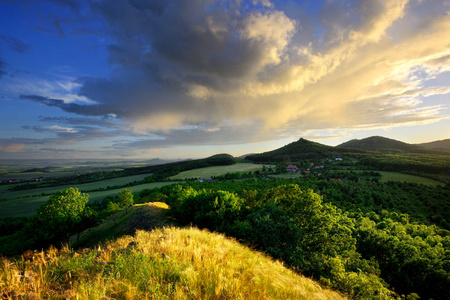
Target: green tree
[(125, 198), (60, 215)]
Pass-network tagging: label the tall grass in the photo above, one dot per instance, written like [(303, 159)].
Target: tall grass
[(166, 263)]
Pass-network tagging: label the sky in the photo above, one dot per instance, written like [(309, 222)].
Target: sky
[(169, 79)]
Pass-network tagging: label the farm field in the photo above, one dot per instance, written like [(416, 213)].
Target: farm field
[(394, 176), (23, 169), (85, 187), (26, 206), (218, 170)]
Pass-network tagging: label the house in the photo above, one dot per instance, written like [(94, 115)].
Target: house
[(307, 172), (292, 169), (338, 159), (319, 166), (333, 179)]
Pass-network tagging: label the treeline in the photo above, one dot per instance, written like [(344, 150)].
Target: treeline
[(360, 252), (420, 202)]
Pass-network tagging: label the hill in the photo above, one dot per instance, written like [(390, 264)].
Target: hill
[(379, 143), (442, 144), (145, 216), (386, 145), (167, 263), (301, 149)]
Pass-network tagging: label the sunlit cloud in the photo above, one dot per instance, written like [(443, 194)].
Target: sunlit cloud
[(195, 73)]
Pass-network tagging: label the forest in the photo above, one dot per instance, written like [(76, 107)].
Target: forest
[(366, 251)]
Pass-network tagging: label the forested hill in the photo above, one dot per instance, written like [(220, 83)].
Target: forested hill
[(301, 149), (442, 144), (382, 144)]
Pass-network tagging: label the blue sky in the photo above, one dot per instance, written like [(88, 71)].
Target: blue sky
[(186, 79)]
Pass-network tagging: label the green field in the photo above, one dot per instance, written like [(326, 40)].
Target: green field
[(85, 187), (394, 176), (19, 169), (217, 171), (26, 206)]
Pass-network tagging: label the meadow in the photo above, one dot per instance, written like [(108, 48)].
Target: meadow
[(218, 171), (394, 176)]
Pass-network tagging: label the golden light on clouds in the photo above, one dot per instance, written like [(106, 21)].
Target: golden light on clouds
[(197, 73)]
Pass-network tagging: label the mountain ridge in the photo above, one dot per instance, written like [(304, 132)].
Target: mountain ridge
[(440, 144)]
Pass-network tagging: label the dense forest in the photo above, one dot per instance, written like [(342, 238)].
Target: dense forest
[(364, 250)]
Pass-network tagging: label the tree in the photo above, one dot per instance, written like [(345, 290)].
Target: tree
[(60, 215), (125, 198)]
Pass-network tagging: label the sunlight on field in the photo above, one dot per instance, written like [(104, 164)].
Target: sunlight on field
[(218, 170)]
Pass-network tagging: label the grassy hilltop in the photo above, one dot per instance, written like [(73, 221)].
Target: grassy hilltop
[(166, 263)]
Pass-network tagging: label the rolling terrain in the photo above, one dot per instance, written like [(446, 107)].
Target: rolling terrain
[(385, 203), (166, 263)]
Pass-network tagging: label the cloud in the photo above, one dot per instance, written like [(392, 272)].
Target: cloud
[(55, 128), (88, 110), (3, 66), (106, 121), (11, 147), (15, 44), (212, 72)]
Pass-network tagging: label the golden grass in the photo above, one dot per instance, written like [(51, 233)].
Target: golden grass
[(167, 263)]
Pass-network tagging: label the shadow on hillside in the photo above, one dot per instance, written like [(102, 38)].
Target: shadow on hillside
[(147, 216)]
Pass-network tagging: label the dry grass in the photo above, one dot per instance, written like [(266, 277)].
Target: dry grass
[(168, 263)]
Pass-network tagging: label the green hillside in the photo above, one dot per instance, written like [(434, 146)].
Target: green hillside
[(301, 149), (442, 144), (379, 143), (165, 263), (386, 145)]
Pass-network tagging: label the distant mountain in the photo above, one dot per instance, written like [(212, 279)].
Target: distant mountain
[(442, 144), (39, 170), (382, 144), (379, 143), (304, 149), (301, 149)]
